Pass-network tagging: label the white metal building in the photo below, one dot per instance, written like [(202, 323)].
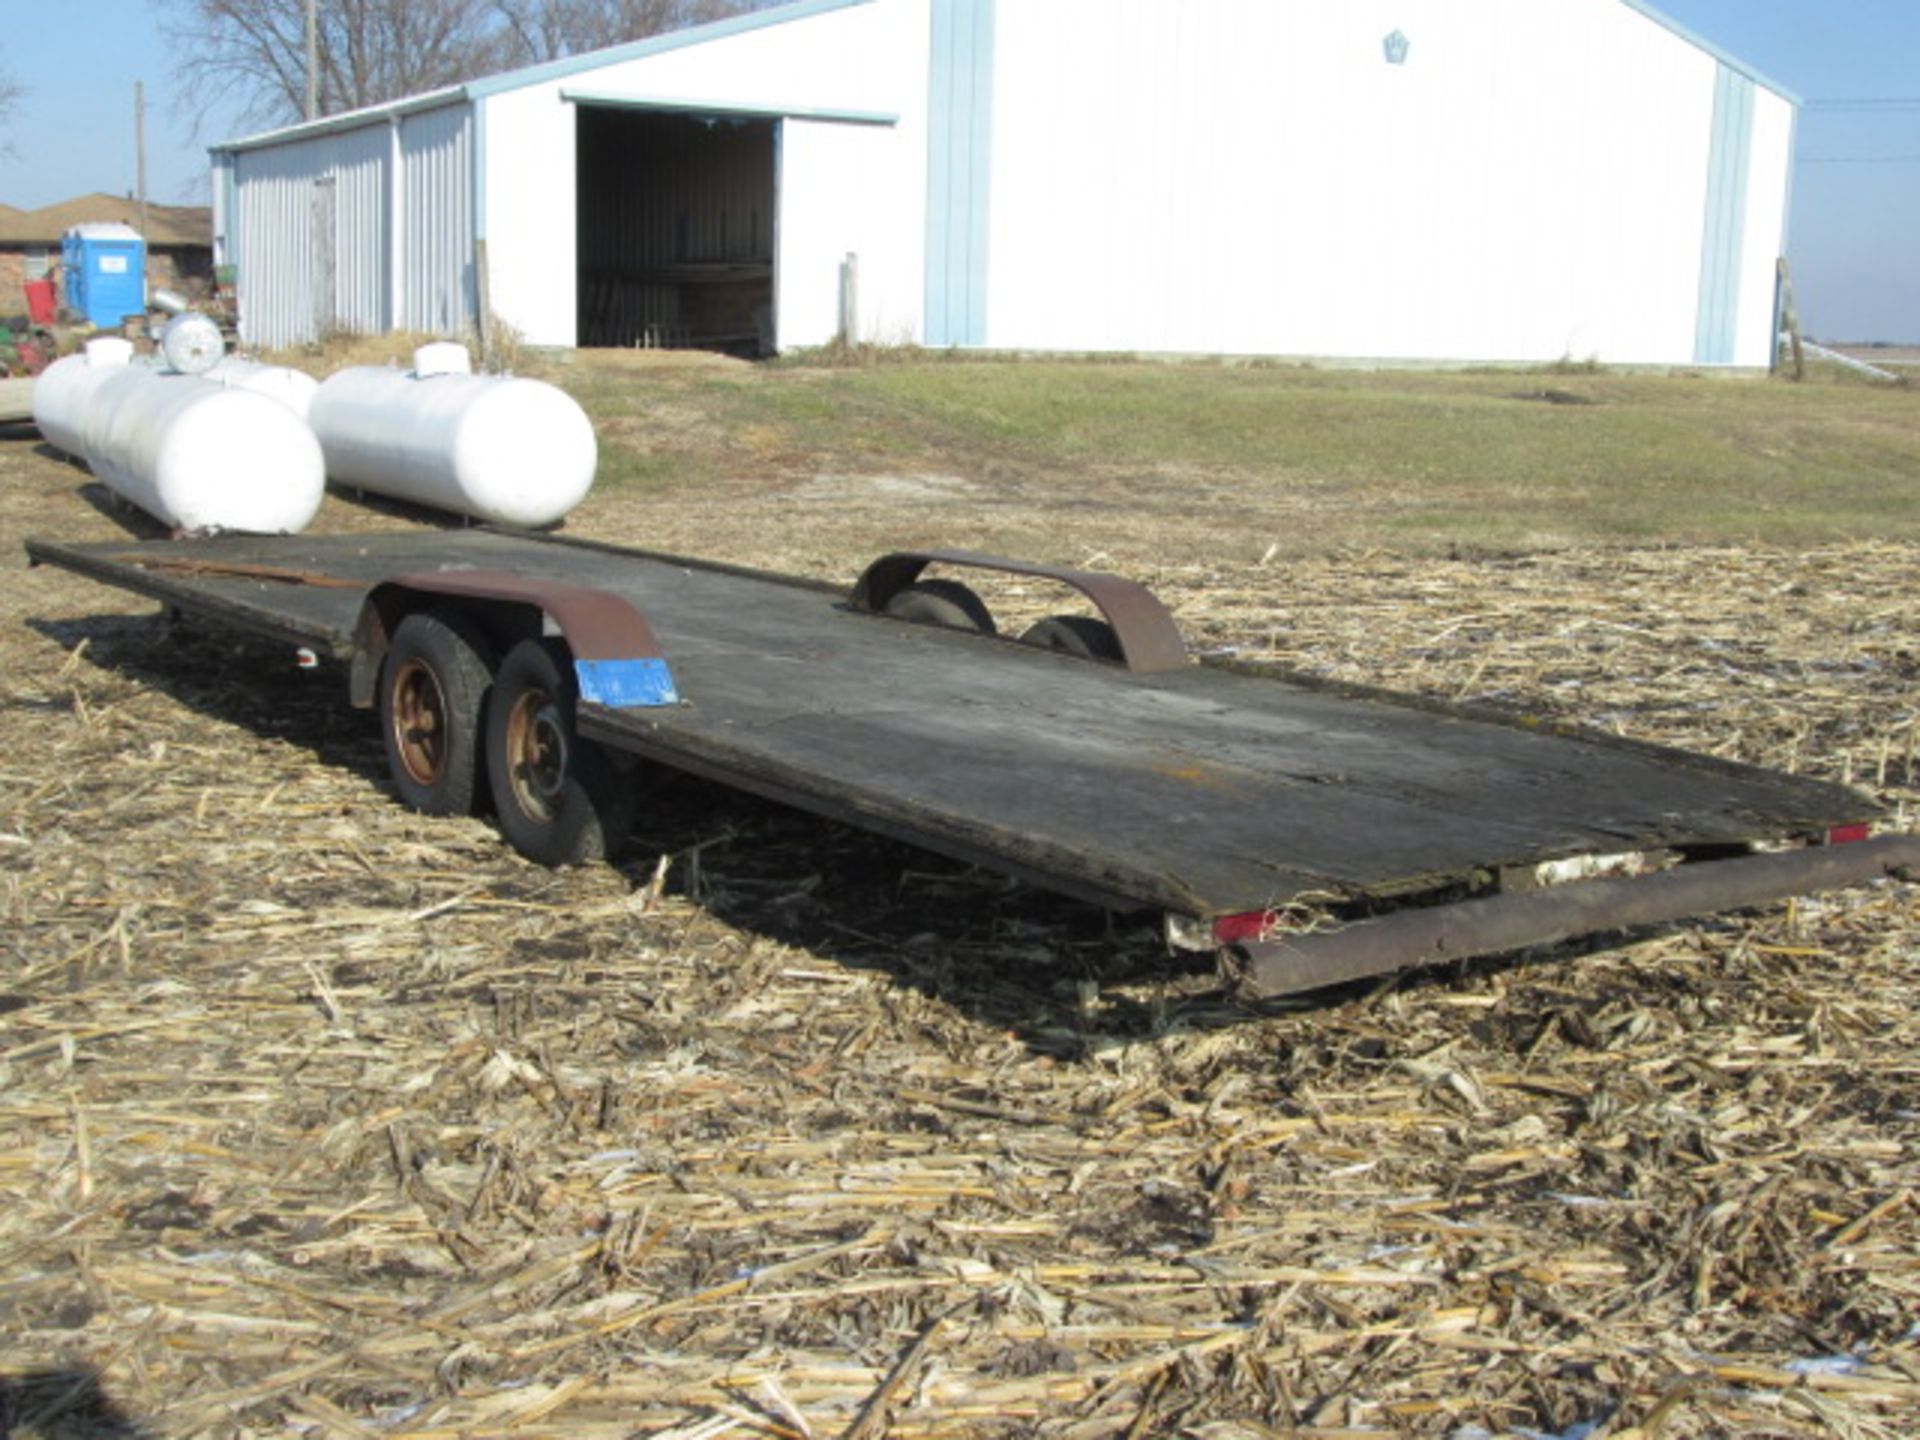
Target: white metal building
[(1464, 180)]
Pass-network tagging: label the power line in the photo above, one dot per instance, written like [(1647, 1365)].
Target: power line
[(1858, 160)]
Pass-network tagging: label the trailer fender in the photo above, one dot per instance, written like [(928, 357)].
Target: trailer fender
[(616, 657), (1149, 640)]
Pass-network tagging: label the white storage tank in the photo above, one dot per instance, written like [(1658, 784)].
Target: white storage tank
[(293, 388), (63, 392), (190, 452), (513, 451)]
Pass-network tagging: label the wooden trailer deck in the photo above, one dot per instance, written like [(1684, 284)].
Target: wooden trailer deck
[(1199, 791)]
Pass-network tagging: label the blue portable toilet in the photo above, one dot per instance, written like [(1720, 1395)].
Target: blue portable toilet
[(105, 272)]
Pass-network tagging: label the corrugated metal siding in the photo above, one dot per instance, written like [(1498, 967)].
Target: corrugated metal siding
[(223, 209), (312, 243), (436, 222), (360, 267), (273, 253)]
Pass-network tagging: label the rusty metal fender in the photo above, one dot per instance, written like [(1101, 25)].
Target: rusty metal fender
[(1149, 640), (617, 658)]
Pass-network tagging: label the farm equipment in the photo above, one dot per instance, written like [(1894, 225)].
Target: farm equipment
[(1315, 832)]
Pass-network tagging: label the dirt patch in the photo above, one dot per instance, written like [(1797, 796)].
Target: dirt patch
[(319, 1116), (886, 488), (629, 358)]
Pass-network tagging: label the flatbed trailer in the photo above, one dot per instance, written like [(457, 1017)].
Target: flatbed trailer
[(1103, 762)]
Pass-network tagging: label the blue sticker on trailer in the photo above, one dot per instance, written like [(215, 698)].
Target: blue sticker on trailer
[(626, 684)]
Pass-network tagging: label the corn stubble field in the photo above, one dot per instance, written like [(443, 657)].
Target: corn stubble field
[(318, 1118)]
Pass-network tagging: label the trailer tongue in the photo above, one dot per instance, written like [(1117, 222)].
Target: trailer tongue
[(1118, 771)]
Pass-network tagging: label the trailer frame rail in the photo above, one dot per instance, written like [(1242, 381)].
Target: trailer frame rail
[(1282, 964)]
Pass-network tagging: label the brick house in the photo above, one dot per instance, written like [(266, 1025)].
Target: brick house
[(179, 242)]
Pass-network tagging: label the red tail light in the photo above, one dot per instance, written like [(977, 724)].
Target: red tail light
[(1849, 834), (1237, 929)]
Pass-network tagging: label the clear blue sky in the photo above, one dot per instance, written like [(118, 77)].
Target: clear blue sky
[(1855, 235), (72, 133), (1855, 242)]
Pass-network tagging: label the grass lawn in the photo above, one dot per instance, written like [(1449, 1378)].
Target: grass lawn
[(1245, 458)]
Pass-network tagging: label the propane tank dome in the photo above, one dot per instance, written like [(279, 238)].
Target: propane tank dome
[(442, 357), (105, 350)]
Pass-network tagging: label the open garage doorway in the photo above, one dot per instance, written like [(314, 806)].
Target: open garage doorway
[(676, 227)]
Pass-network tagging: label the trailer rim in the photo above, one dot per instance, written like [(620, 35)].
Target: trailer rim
[(537, 754), (559, 798), (417, 720), (433, 690)]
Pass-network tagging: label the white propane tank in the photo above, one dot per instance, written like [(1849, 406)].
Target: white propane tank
[(513, 451), (292, 388), (191, 343), (190, 452), (63, 392)]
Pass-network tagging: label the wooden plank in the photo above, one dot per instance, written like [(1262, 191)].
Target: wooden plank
[(16, 401)]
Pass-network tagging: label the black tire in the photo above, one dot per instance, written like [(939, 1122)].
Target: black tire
[(432, 705), (558, 799), (941, 602), (1081, 635)]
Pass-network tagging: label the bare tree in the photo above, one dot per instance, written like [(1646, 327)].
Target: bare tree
[(535, 30), (377, 50), (11, 92), (370, 50)]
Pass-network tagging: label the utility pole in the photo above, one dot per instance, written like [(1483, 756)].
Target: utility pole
[(140, 149), (313, 60)]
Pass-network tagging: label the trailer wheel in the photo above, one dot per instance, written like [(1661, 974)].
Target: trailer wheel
[(941, 602), (559, 799), (433, 689), (1078, 635)]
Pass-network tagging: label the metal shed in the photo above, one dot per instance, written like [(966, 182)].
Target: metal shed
[(1436, 180)]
